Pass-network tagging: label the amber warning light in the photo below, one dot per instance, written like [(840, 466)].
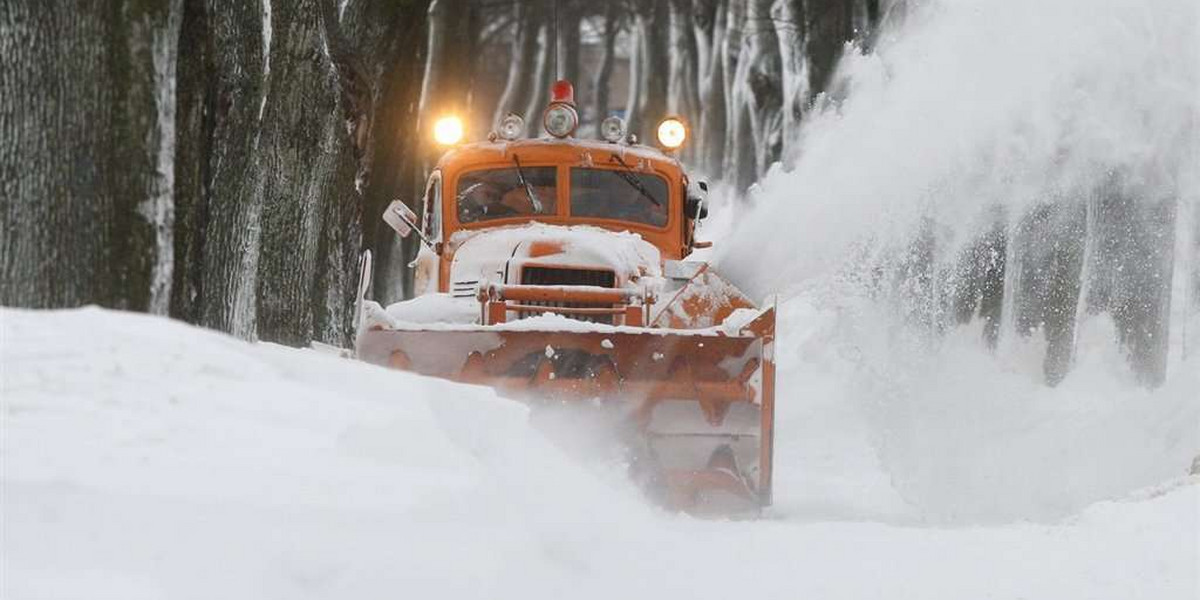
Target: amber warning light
[(560, 118), (562, 91)]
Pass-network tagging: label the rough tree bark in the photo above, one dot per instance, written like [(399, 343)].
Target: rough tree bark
[(277, 129), (86, 109), (306, 146), (234, 92), (194, 124), (386, 36)]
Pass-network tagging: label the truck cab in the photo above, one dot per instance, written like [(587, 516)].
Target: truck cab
[(574, 190)]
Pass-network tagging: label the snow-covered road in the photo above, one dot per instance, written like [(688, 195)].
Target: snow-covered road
[(143, 458)]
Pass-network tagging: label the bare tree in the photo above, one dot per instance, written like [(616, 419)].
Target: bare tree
[(539, 92), (788, 16), (755, 98), (635, 87), (444, 86), (569, 15), (612, 27), (648, 97), (683, 94), (517, 90), (709, 22), (829, 24)]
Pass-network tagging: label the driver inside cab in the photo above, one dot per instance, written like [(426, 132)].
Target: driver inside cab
[(498, 194)]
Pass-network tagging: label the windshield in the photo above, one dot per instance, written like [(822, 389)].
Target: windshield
[(619, 194), (499, 193)]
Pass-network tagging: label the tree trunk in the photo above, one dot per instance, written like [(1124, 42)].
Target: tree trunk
[(517, 90), (652, 18), (756, 97), (683, 95), (194, 124), (386, 36), (735, 18), (543, 73), (273, 186), (709, 17), (788, 16), (233, 191), (308, 171), (569, 18), (86, 110), (448, 65), (632, 119), (829, 25), (612, 27)]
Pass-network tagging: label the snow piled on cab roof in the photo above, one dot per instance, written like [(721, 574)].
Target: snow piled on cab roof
[(504, 147)]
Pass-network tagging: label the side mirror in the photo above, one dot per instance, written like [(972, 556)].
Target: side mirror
[(401, 218), (694, 208)]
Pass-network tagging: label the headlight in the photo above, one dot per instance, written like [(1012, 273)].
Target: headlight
[(672, 133), (560, 120), (448, 131), (512, 127), (612, 129)]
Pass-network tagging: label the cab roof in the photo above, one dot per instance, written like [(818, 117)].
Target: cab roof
[(568, 150)]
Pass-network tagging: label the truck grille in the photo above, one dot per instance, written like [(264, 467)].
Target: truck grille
[(531, 275)]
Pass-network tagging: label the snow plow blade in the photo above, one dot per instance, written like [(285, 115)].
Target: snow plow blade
[(699, 404)]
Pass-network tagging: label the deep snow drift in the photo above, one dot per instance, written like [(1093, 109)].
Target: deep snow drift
[(143, 458)]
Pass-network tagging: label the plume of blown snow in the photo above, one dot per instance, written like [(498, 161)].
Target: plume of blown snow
[(973, 103), (965, 107)]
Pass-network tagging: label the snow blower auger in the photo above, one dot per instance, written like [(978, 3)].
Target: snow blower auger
[(552, 270)]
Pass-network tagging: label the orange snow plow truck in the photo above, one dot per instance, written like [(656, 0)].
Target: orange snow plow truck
[(554, 270)]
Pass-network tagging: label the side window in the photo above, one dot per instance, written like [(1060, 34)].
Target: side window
[(431, 224)]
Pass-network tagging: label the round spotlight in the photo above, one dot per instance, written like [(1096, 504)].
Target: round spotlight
[(672, 133), (560, 120), (512, 127), (448, 131), (612, 129)]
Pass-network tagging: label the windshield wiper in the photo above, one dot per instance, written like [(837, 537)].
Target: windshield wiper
[(632, 180), (537, 204)]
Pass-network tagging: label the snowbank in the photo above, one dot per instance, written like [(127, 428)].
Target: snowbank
[(143, 458)]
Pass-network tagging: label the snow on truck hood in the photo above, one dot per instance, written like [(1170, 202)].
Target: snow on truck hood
[(482, 254)]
